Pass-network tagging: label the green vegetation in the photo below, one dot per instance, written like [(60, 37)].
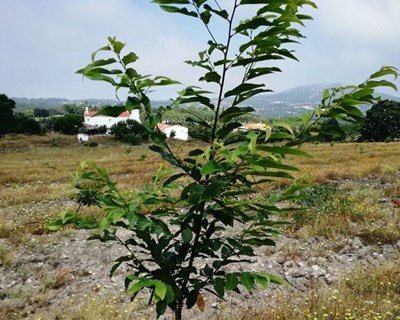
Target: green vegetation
[(336, 214), (129, 131), (382, 122), (7, 107), (363, 294), (207, 208), (187, 213), (18, 122), (33, 195), (68, 124)]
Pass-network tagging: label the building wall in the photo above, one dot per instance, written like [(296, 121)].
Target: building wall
[(109, 121), (181, 133)]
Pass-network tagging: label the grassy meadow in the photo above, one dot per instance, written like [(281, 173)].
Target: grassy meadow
[(356, 194)]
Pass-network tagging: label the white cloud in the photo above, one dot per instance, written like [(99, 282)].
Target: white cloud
[(360, 21), (46, 41)]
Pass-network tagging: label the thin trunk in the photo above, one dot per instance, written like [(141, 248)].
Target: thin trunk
[(178, 310)]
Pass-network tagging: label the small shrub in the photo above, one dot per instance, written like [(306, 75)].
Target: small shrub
[(62, 276), (95, 307), (333, 214), (7, 256), (132, 139), (371, 293), (377, 235), (92, 144)]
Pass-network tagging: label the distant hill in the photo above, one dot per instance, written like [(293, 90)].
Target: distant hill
[(295, 101), (292, 102), (307, 94), (24, 104)]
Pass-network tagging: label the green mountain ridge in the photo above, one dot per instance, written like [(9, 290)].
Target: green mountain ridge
[(291, 102)]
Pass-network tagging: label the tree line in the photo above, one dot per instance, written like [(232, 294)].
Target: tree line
[(382, 122)]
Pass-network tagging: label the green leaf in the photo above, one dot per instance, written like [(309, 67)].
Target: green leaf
[(233, 112), (105, 48), (111, 111), (247, 280), (318, 111), (277, 280), (199, 2), (284, 125), (284, 151), (263, 173), (102, 62), (213, 189), (248, 94), (99, 77), (305, 118), (197, 193), (252, 136), (183, 11), (242, 88), (219, 286), (205, 16), (198, 121), (164, 81), (191, 298), (259, 242), (253, 24), (133, 103), (161, 307), (139, 285), (257, 72), (173, 178), (326, 94), (118, 46), (262, 279), (381, 83), (187, 235), (160, 289), (267, 163), (211, 77), (170, 296), (224, 216), (227, 129), (222, 13), (130, 58), (232, 281), (209, 168), (384, 71)]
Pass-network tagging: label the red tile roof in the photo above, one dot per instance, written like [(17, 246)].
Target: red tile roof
[(162, 126), (90, 113), (124, 114)]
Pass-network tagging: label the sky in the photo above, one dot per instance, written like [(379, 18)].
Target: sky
[(43, 43)]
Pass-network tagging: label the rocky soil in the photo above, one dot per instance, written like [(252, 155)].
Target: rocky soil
[(46, 276)]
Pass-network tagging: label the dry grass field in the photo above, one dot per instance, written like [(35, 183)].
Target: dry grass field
[(357, 194)]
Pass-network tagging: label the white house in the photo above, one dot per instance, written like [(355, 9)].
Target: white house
[(253, 126), (174, 131), (93, 120)]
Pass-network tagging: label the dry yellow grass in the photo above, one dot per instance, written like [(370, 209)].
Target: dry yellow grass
[(35, 175), (371, 293), (351, 161), (35, 171)]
